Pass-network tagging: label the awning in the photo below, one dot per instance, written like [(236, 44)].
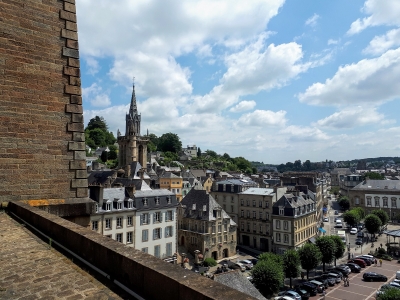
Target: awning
[(311, 240), (324, 209), (321, 229)]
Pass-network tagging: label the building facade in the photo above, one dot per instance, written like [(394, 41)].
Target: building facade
[(172, 182), (205, 226)]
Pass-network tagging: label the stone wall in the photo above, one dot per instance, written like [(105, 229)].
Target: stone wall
[(150, 277), (42, 154)]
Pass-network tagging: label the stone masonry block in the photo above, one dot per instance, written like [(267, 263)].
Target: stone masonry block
[(72, 89), (74, 81), (70, 52), (72, 44), (78, 127), (69, 34), (79, 154), (81, 174), (71, 71), (76, 146), (77, 118), (66, 15), (70, 1), (77, 164), (76, 99), (73, 62), (71, 26), (82, 192), (78, 137), (79, 183), (69, 7), (73, 108)]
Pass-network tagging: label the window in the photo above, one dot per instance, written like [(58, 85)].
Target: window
[(394, 203), (225, 238), (376, 201), (281, 211), (220, 239), (232, 208), (129, 236), (261, 229), (286, 238), (225, 226), (267, 216), (168, 231), (369, 201), (169, 216), (219, 227), (224, 207), (145, 202), (278, 237), (169, 249), (144, 219), (232, 199), (95, 225), (118, 237), (248, 226), (129, 221), (157, 251), (119, 205), (224, 188), (157, 201), (108, 206), (119, 222), (260, 215), (157, 218), (260, 203), (145, 250), (242, 213), (254, 202), (145, 235), (266, 204), (108, 223), (168, 200), (248, 214), (96, 207), (157, 233), (213, 228), (242, 226), (254, 214), (278, 224), (357, 201), (242, 202), (223, 198), (385, 201), (214, 241), (247, 203), (285, 225)]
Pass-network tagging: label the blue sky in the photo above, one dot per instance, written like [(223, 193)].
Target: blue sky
[(269, 80)]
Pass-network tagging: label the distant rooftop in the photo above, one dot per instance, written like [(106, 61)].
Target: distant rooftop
[(258, 191)]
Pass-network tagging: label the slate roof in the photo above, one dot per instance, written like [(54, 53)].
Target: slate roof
[(169, 175), (239, 282), (258, 191), (163, 196), (244, 182), (293, 201), (100, 177), (198, 173), (375, 184), (205, 206)]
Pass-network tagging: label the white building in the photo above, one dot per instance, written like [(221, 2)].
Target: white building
[(147, 222)]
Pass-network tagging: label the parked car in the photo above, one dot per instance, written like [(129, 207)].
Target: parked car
[(358, 261), (337, 277), (247, 263), (309, 287), (303, 293), (397, 274), (326, 280), (366, 260), (239, 266), (360, 234), (359, 241), (354, 267), (254, 261), (345, 270), (372, 276), (319, 285), (326, 219), (353, 230), (283, 298), (360, 226), (334, 271), (291, 294), (369, 257)]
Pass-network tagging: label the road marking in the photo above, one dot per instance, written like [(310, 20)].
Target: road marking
[(372, 295)]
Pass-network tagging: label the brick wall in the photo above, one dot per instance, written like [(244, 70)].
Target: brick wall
[(42, 152)]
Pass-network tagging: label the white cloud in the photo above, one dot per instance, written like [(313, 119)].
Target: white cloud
[(368, 81), (382, 43), (332, 42), (95, 95), (304, 134), (351, 117), (263, 118), (243, 106), (312, 21), (204, 51), (380, 13), (92, 64)]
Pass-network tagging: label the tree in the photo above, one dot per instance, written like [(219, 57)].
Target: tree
[(340, 247), (328, 249), (97, 122), (335, 190), (268, 256), (307, 165), (374, 175), (344, 202), (198, 152), (297, 165), (113, 154), (382, 215), (360, 212), (242, 163), (291, 264), (372, 223), (104, 156), (212, 153), (169, 142), (351, 217), (267, 276), (390, 294), (310, 257), (98, 137)]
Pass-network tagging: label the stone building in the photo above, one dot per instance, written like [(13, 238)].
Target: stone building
[(294, 221), (377, 194), (171, 182), (205, 226), (132, 146)]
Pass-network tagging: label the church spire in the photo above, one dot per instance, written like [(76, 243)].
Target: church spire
[(133, 108)]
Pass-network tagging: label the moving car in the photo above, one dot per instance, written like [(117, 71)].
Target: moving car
[(358, 261), (372, 276), (339, 224), (359, 241), (247, 263), (360, 234), (354, 267), (353, 231), (291, 294)]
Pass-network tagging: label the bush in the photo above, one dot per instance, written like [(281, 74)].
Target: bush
[(381, 251), (209, 262)]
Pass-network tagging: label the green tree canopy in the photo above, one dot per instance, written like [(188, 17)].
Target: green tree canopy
[(242, 163), (390, 294), (291, 264), (344, 202), (328, 249), (372, 223), (351, 217), (268, 256), (360, 211), (340, 246), (97, 123), (335, 190), (310, 257), (198, 152), (382, 215), (169, 142), (97, 134), (113, 154), (267, 276), (373, 175)]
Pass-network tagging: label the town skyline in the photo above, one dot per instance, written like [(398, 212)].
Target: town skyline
[(273, 81)]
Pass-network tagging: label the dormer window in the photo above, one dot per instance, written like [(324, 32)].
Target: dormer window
[(130, 204), (108, 206), (194, 206), (168, 200), (157, 201), (119, 205), (96, 208), (281, 211), (145, 203)]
